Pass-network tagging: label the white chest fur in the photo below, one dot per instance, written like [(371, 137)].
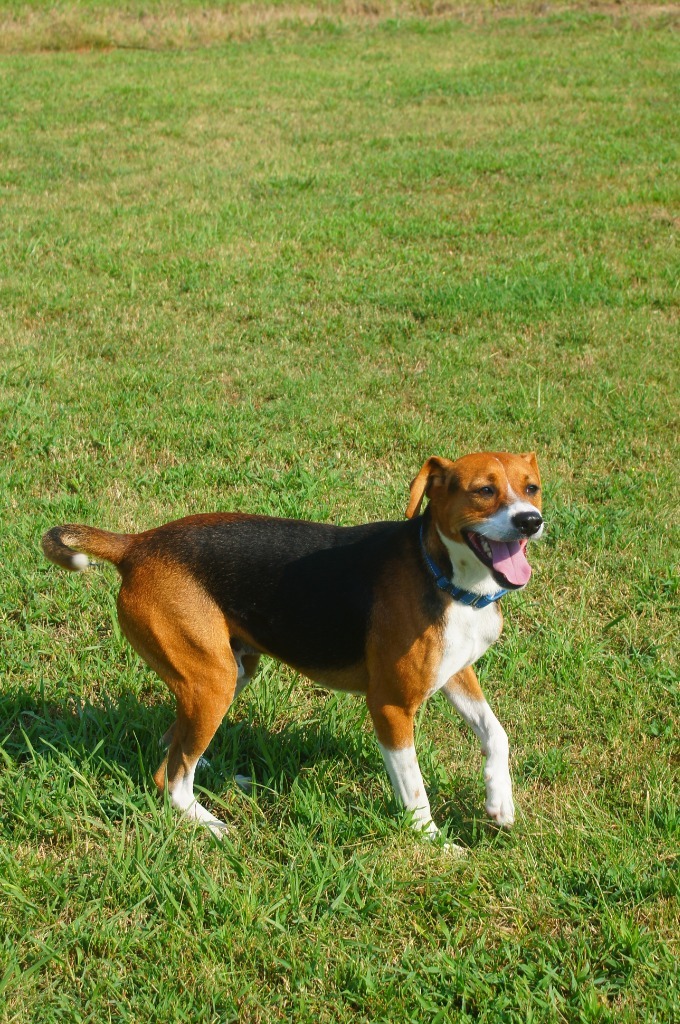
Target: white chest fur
[(468, 632)]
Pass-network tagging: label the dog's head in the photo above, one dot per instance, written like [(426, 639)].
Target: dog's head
[(490, 501)]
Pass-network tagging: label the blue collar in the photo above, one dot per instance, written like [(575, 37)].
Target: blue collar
[(457, 593)]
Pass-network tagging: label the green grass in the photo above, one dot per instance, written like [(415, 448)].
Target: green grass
[(275, 273)]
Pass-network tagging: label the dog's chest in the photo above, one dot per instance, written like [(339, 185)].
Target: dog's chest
[(467, 634)]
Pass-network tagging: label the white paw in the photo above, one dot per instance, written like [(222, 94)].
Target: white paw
[(423, 823), (245, 783), (499, 803), (218, 828), (195, 811), (431, 832), (454, 850)]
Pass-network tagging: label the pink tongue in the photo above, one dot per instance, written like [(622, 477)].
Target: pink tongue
[(511, 561)]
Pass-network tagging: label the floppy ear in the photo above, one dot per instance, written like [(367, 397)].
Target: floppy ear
[(432, 471)]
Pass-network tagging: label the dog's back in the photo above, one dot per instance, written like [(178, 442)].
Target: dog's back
[(299, 590)]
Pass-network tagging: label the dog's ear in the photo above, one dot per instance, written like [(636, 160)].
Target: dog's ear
[(432, 474), (530, 457)]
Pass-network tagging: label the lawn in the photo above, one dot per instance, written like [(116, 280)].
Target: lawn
[(270, 258)]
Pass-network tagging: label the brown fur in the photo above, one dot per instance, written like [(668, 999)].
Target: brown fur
[(58, 544)]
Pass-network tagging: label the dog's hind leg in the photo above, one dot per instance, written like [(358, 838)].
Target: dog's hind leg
[(194, 729), (246, 664), (166, 738), (247, 661), (183, 636)]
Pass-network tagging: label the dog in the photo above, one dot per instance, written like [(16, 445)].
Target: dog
[(394, 611)]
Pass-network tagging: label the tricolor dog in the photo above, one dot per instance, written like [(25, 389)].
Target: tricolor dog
[(395, 611)]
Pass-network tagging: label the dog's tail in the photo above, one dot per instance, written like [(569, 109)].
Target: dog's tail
[(64, 546)]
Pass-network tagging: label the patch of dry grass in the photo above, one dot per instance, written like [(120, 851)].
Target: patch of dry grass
[(73, 26)]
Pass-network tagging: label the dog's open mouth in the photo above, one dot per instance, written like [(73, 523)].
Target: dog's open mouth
[(507, 560)]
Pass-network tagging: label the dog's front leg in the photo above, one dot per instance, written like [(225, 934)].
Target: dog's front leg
[(394, 730), (465, 693)]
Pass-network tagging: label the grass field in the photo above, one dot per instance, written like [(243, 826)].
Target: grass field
[(271, 258)]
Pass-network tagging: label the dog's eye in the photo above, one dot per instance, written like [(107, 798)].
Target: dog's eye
[(487, 492), (532, 489)]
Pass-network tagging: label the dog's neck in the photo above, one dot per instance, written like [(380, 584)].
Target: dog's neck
[(468, 572)]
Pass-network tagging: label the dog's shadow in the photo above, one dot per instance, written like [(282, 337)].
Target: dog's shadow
[(122, 737)]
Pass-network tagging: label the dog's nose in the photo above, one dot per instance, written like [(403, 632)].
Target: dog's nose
[(528, 523)]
